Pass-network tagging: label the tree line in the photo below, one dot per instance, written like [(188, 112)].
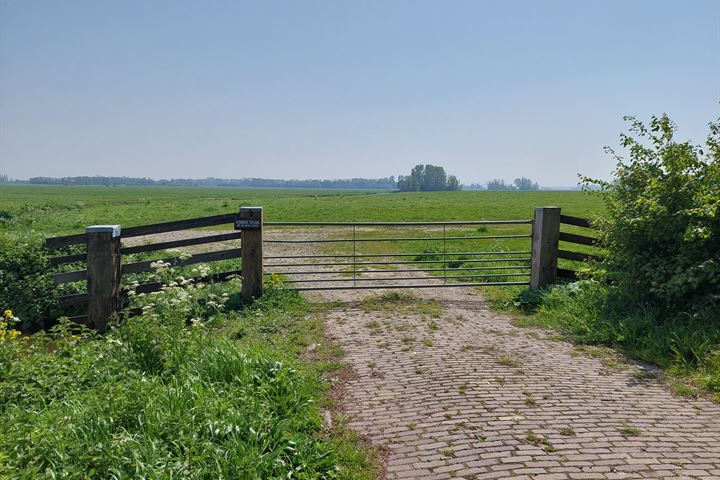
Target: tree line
[(519, 184), (387, 183), (422, 178)]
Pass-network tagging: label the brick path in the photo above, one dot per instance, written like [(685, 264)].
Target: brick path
[(475, 397), (471, 396)]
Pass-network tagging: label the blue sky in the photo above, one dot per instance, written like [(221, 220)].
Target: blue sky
[(335, 89)]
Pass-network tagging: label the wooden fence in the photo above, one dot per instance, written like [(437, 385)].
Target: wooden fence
[(104, 266), (105, 269), (546, 250)]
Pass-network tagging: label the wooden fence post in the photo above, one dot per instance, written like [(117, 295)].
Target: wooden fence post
[(250, 224), (545, 241), (103, 274)]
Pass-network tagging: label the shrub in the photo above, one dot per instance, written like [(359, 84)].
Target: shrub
[(662, 230), (26, 286)]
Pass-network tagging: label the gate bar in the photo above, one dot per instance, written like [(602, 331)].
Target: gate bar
[(317, 272), (380, 287), (397, 239), (405, 262), (399, 224), (321, 280), (501, 252)]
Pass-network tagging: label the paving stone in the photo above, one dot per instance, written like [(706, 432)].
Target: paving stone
[(486, 399)]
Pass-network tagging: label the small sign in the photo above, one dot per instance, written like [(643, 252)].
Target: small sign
[(247, 224)]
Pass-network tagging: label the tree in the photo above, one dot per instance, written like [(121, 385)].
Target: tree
[(524, 183), (453, 184), (428, 178), (521, 183), (498, 185)]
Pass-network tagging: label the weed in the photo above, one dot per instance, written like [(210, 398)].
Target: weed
[(447, 453), (401, 302), (374, 324), (507, 361), (539, 441), (628, 431), (684, 390)]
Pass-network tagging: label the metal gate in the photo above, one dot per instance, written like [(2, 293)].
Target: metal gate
[(391, 255)]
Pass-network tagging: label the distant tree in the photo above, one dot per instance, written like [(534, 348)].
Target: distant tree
[(517, 184), (427, 178), (498, 184), (523, 183), (416, 178), (435, 179)]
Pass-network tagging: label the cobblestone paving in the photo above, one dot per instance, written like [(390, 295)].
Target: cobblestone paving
[(469, 395)]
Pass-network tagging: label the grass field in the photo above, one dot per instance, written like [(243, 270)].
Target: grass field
[(54, 210)]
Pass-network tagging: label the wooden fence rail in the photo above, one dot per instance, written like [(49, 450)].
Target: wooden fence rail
[(105, 269)]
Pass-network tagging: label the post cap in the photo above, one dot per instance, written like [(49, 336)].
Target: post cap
[(114, 229)]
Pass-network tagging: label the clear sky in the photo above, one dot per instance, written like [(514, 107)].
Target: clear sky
[(336, 89)]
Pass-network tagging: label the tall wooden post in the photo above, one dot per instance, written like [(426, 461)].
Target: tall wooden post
[(545, 241), (250, 224), (103, 274)]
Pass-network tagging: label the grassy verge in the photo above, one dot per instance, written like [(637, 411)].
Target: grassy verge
[(687, 345), (199, 386)]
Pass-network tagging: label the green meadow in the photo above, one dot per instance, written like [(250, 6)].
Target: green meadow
[(56, 210)]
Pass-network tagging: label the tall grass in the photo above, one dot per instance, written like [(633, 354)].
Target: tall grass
[(167, 395), (687, 344)]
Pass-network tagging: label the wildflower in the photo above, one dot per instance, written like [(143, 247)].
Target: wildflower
[(8, 314)]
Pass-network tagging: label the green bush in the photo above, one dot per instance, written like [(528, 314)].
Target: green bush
[(662, 229), (26, 284)]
